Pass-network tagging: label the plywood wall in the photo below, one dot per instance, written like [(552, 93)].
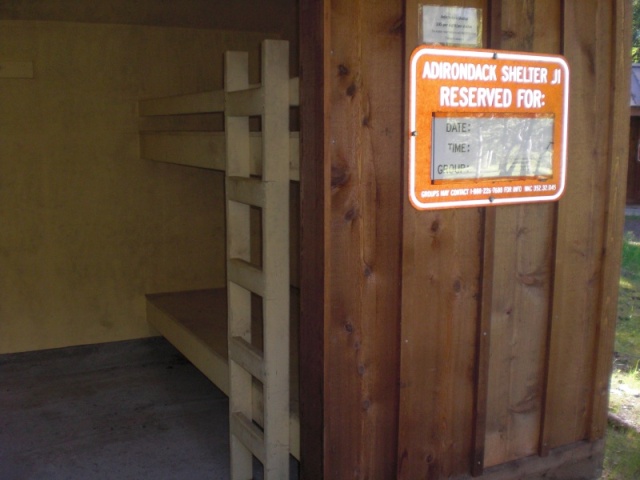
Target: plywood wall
[(275, 16), (87, 227)]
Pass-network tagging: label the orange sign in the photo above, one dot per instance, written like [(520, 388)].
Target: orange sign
[(486, 127)]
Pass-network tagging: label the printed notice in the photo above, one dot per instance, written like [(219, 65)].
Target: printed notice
[(492, 147), (452, 26)]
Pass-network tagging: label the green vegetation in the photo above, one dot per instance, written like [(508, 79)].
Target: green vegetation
[(635, 42), (628, 330), (622, 454), (630, 255)]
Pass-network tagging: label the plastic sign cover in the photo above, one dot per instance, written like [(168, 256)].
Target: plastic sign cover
[(486, 127)]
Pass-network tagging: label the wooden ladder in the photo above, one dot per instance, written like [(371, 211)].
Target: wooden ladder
[(270, 280)]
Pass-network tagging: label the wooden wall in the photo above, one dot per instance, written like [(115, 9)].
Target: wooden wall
[(275, 16), (87, 226), (462, 342), (245, 15)]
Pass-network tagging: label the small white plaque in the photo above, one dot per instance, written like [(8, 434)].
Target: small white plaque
[(453, 26)]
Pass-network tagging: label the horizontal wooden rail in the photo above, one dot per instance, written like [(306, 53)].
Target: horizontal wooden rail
[(202, 102), (207, 150), (247, 356), (250, 191), (249, 434), (247, 276), (245, 103)]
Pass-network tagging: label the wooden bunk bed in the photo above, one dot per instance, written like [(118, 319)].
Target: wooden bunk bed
[(234, 334)]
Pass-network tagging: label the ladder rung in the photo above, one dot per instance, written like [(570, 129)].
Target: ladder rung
[(248, 433), (245, 103), (250, 191), (246, 275), (247, 356)]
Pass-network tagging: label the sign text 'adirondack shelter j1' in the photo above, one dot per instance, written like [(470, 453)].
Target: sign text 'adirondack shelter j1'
[(486, 127)]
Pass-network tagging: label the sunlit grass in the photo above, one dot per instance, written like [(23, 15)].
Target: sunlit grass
[(627, 345), (622, 455), (631, 256), (624, 396)]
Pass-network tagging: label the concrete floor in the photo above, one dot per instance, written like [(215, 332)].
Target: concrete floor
[(125, 410)]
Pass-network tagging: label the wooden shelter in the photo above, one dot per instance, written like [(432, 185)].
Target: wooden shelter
[(470, 342), (456, 343)]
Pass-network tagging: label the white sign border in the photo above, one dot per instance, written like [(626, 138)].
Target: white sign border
[(484, 55)]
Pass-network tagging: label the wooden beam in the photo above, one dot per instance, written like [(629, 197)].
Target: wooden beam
[(577, 460), (441, 295), (315, 221), (614, 224), (207, 150), (583, 224), (523, 277), (361, 334), (355, 119)]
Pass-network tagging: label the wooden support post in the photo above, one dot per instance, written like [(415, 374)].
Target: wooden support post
[(270, 280), (351, 91)]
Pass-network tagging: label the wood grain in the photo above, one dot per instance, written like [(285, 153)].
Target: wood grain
[(442, 254), (522, 277), (361, 357), (588, 40), (315, 191), (614, 224)]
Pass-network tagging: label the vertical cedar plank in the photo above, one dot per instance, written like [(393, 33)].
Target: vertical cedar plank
[(361, 334), (314, 231), (440, 305), (522, 276), (492, 14), (605, 334), (578, 265), (381, 121)]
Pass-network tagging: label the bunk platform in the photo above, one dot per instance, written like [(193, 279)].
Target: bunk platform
[(184, 130), (195, 322)]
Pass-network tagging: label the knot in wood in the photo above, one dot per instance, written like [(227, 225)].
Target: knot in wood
[(397, 28), (351, 214), (339, 177)]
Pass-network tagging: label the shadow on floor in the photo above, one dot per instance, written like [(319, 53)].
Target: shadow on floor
[(125, 410)]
